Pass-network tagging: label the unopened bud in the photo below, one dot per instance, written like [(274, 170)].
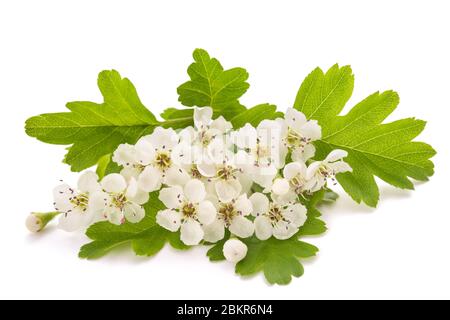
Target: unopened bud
[(37, 221)]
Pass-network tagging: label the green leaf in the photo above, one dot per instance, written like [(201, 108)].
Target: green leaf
[(94, 130), (314, 225), (255, 115), (385, 150), (215, 253), (146, 237), (212, 86), (278, 259)]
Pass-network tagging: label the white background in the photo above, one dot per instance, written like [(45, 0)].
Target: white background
[(51, 52)]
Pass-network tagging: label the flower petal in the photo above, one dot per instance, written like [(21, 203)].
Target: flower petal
[(114, 215), (243, 205), (169, 219), (280, 186), (61, 197), (214, 231), (335, 155), (340, 166), (296, 214), (227, 190), (114, 183), (98, 201), (191, 233), (206, 212), (202, 117), (124, 155), (145, 151), (293, 169), (263, 228), (163, 138), (284, 230), (150, 179), (221, 124), (294, 119), (175, 176), (134, 212), (207, 169), (242, 227), (260, 203), (194, 191), (172, 197), (88, 182), (74, 220), (311, 130)]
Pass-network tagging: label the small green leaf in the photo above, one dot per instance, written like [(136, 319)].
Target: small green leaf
[(278, 259), (212, 86), (94, 130), (255, 115)]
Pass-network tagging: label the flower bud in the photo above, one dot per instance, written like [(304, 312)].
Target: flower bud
[(37, 221), (234, 250)]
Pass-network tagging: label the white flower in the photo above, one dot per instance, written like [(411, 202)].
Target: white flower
[(260, 151), (74, 204), (293, 183), (187, 210), (234, 250), (319, 172), (297, 134), (272, 218), (224, 174), (150, 161), (231, 215), (199, 141), (119, 200)]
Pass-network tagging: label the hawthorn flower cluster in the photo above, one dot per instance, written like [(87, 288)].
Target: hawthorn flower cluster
[(211, 178)]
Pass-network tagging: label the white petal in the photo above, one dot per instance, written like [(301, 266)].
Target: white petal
[(335, 155), (296, 214), (260, 203), (312, 169), (98, 201), (172, 197), (227, 190), (187, 135), (135, 194), (34, 223), (242, 227), (145, 151), (207, 169), (163, 139), (74, 220), (315, 183), (191, 233), (284, 230), (61, 197), (88, 182), (214, 231), (114, 215), (311, 130), (340, 166), (263, 228), (246, 137), (206, 212), (169, 219), (114, 183), (294, 169), (280, 186), (234, 250), (202, 117), (294, 118), (221, 124), (243, 205), (175, 176), (194, 191), (134, 212), (303, 154), (124, 155), (130, 172), (285, 199), (150, 179)]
